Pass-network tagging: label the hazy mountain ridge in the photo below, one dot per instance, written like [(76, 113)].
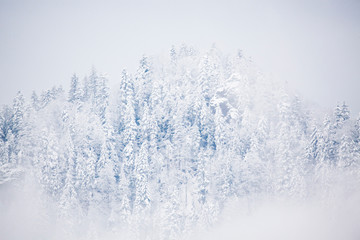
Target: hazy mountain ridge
[(163, 154)]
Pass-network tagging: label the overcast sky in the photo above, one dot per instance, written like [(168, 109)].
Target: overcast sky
[(313, 45)]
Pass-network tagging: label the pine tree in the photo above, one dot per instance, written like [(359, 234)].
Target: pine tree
[(173, 55), (75, 93), (105, 178), (35, 101), (312, 150), (69, 205), (101, 98), (356, 131), (143, 83), (141, 174), (92, 85), (19, 112), (6, 123), (341, 114), (347, 154)]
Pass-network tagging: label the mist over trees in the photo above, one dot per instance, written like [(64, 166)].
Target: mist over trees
[(161, 156)]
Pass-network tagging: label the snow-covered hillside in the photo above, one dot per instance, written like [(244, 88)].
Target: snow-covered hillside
[(165, 153)]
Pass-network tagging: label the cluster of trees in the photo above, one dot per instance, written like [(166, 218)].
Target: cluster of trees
[(163, 153)]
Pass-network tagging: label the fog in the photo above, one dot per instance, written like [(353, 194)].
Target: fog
[(291, 219), (314, 46), (325, 214)]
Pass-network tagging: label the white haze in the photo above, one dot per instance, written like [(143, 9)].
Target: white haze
[(312, 46), (318, 218), (323, 216)]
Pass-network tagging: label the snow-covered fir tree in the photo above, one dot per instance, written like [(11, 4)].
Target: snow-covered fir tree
[(180, 138)]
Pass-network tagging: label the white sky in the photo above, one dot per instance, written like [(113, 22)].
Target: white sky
[(314, 45)]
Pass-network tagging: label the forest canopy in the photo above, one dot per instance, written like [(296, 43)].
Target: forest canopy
[(162, 154)]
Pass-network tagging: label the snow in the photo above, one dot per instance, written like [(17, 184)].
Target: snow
[(195, 144)]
